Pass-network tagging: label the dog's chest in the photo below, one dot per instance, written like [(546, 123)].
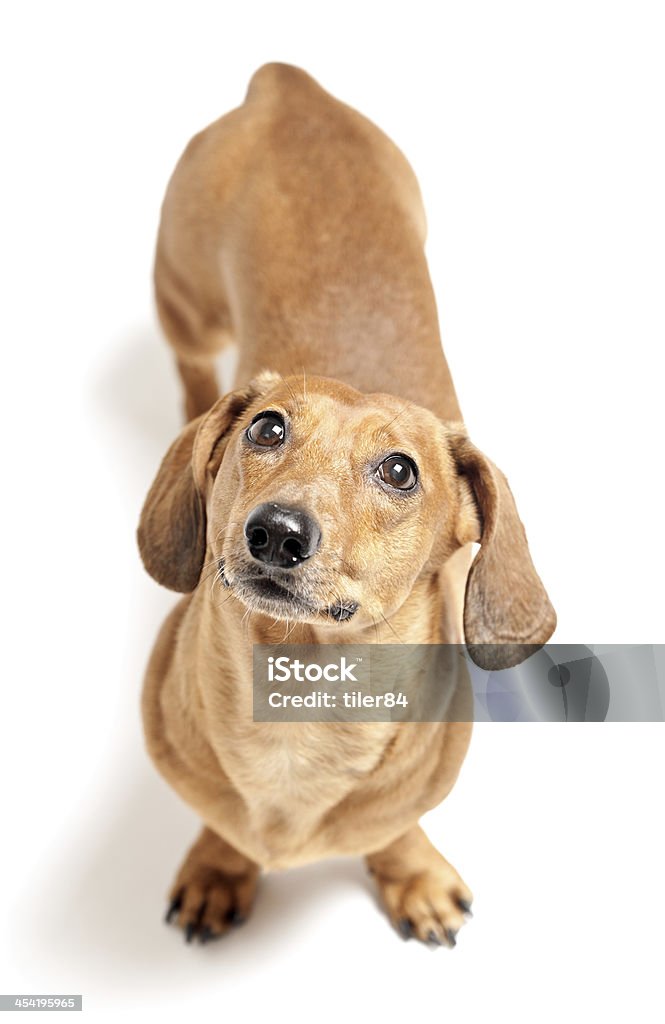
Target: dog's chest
[(292, 774)]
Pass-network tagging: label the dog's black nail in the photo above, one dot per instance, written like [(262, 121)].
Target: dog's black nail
[(465, 906), (174, 907), (405, 926), (343, 611), (205, 935), (451, 937), (433, 938), (189, 931), (235, 918)]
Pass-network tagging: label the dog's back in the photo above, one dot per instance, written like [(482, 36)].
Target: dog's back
[(295, 227)]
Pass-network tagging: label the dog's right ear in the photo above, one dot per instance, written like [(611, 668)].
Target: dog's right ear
[(172, 528)]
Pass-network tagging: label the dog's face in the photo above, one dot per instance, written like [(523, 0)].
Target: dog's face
[(321, 504), (328, 504)]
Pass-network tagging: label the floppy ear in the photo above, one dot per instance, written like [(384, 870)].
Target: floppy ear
[(507, 613), (172, 528)]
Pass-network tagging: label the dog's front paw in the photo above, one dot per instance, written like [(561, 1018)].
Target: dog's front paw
[(422, 892), (213, 891), (431, 906)]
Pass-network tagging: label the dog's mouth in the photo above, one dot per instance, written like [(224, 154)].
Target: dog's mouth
[(263, 592)]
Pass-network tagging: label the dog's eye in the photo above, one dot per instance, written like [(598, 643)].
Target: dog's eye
[(266, 430), (399, 472)]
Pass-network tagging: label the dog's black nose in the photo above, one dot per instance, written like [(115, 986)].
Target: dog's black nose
[(284, 537)]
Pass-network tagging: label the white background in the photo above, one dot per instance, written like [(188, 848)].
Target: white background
[(536, 130)]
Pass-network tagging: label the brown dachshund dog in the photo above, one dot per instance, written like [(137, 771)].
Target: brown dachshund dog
[(333, 496)]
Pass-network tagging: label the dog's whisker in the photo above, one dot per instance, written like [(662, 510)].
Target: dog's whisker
[(215, 580), (226, 598), (212, 571), (219, 533), (213, 561), (289, 629), (296, 400), (394, 419), (388, 624), (219, 580), (295, 623), (245, 623), (208, 565), (217, 575)]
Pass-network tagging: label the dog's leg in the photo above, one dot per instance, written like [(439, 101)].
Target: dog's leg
[(199, 381), (197, 333), (195, 349), (423, 894), (213, 890)]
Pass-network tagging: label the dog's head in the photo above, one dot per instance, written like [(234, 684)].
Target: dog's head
[(322, 504)]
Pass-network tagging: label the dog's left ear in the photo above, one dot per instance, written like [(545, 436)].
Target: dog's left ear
[(507, 613), (172, 528)]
